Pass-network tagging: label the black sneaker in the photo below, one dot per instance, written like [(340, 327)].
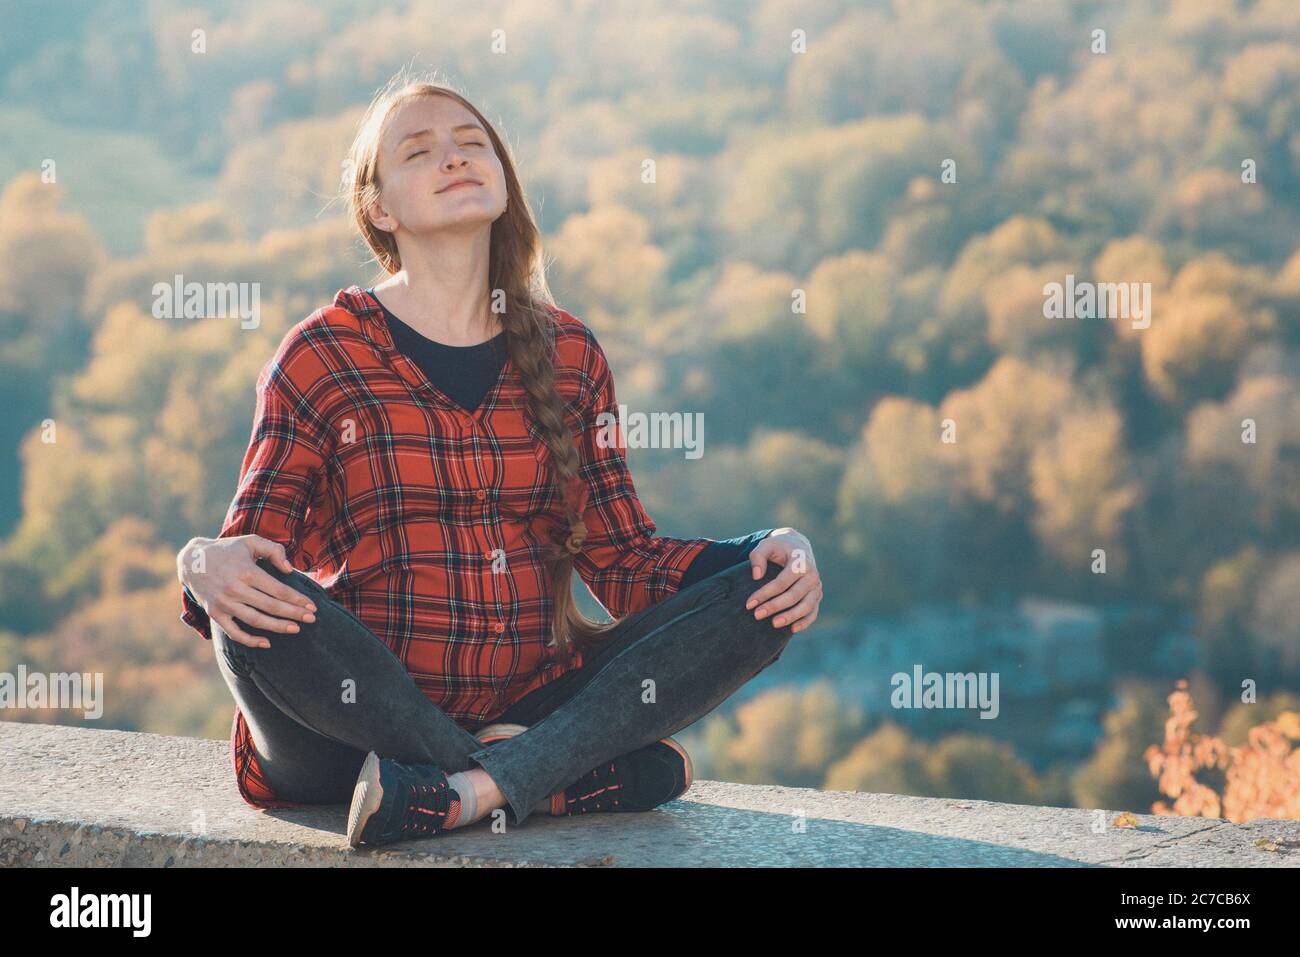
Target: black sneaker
[(394, 801), (640, 780)]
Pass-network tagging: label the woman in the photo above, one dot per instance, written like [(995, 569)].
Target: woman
[(442, 475)]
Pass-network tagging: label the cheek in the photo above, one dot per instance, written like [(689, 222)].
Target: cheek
[(496, 179), (406, 199)]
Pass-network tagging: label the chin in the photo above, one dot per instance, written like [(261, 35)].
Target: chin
[(470, 219)]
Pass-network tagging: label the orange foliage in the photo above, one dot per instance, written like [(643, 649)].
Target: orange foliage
[(1262, 779)]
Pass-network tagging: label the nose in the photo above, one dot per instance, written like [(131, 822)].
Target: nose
[(455, 158)]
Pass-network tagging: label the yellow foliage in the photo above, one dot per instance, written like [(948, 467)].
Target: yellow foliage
[(1262, 779)]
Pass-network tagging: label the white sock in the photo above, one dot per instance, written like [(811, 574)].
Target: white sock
[(464, 788)]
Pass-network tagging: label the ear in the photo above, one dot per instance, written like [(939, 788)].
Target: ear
[(380, 217)]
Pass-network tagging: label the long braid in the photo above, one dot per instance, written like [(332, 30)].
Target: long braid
[(530, 342)]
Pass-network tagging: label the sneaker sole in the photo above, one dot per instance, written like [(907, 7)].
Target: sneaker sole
[(686, 758), (366, 798), (495, 732)]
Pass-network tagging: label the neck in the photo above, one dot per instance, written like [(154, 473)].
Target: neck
[(442, 289)]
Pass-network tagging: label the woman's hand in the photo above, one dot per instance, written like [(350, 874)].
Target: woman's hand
[(794, 594), (223, 574)]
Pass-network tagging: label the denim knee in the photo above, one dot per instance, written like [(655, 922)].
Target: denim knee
[(299, 583), (741, 583), (298, 580)]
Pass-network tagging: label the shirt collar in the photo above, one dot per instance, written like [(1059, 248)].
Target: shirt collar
[(371, 313)]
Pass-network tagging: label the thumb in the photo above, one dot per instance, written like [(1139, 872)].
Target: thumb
[(758, 563), (264, 548)]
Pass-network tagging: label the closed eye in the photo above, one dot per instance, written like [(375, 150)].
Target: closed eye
[(422, 152)]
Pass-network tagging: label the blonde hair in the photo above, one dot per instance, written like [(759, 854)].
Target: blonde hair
[(516, 269)]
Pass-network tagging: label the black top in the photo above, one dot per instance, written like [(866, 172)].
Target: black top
[(466, 374)]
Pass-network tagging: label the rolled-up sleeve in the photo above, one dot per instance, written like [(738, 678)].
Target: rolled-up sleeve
[(723, 554), (627, 566), (278, 479)]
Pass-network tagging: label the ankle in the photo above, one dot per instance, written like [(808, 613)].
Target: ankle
[(467, 799), (479, 795)]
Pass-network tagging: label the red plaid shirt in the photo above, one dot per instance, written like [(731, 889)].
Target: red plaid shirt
[(427, 521)]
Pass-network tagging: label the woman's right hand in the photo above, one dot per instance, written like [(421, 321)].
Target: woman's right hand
[(232, 584)]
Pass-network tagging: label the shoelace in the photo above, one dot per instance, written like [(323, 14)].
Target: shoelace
[(594, 790), (429, 807)]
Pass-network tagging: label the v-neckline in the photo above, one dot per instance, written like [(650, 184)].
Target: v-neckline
[(414, 375)]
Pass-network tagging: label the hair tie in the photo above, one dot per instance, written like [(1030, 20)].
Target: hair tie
[(577, 535)]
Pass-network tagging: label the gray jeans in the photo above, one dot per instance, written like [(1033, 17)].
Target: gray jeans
[(692, 651)]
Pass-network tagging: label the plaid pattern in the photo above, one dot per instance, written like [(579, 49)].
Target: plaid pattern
[(426, 521)]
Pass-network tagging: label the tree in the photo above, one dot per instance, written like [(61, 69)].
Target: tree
[(1261, 779), (1114, 777), (980, 767), (887, 761), (783, 736)]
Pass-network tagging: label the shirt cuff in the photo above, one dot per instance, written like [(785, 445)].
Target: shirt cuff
[(666, 578), (721, 555), (194, 614)]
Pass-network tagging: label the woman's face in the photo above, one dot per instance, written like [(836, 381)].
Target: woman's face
[(430, 143)]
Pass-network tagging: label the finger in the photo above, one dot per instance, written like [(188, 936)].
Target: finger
[(807, 620), (803, 623), (265, 548), (273, 587), (249, 615), (236, 633), (782, 602), (796, 612), (268, 583), (776, 585), (758, 561), (771, 588), (796, 588), (271, 606)]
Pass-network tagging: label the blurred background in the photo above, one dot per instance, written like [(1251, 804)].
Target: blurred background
[(843, 255)]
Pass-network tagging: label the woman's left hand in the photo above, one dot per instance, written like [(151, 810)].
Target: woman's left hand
[(794, 594)]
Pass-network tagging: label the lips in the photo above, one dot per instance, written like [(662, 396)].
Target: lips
[(462, 183)]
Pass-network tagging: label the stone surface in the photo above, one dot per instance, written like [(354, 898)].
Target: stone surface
[(77, 796)]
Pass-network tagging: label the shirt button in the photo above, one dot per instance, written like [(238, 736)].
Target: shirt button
[(481, 494), (498, 627)]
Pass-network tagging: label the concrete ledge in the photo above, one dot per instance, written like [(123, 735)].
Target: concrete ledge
[(82, 797)]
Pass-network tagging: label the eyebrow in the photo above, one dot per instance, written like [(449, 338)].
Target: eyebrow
[(454, 129)]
